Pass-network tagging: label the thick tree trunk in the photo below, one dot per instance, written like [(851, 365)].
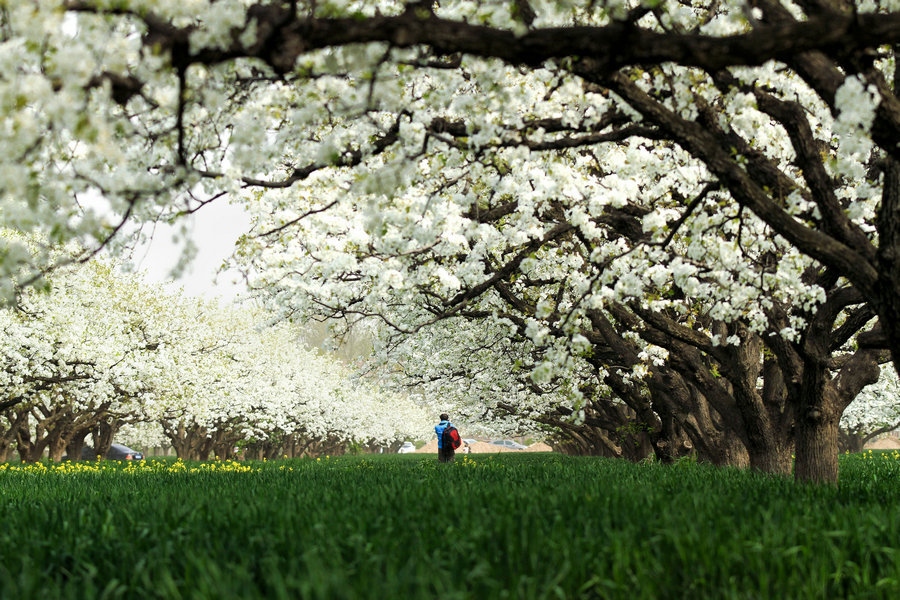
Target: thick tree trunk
[(817, 446), (734, 452), (175, 435), (76, 444), (303, 444), (56, 448), (273, 451), (851, 441), (16, 420), (767, 439), (31, 447), (223, 443), (817, 427), (5, 451), (103, 436), (187, 441), (671, 442), (723, 450), (775, 458), (713, 439), (30, 451), (291, 446), (223, 450), (203, 445), (886, 297)]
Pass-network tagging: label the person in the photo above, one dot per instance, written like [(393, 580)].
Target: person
[(444, 454)]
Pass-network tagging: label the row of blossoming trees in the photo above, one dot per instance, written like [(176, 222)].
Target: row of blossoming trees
[(657, 227), (102, 354)]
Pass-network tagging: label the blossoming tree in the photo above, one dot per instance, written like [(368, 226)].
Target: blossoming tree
[(873, 413)]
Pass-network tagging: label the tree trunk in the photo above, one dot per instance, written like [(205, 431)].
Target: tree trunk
[(775, 458), (817, 446), (5, 451), (223, 443), (851, 441), (76, 444), (734, 452), (886, 297), (16, 419), (103, 436), (203, 445), (817, 427), (31, 448), (186, 440), (718, 448), (714, 440), (56, 447), (223, 450)]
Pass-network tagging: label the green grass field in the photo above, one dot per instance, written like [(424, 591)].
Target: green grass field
[(514, 526)]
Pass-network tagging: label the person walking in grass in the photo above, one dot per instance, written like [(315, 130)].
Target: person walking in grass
[(448, 439)]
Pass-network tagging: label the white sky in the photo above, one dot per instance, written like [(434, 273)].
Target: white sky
[(214, 229)]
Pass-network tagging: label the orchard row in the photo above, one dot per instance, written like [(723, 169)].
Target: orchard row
[(101, 354)]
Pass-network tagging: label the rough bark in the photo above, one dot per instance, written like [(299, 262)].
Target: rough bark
[(743, 418), (190, 442), (817, 430), (103, 433), (76, 444), (822, 397), (223, 443), (887, 299), (851, 442), (16, 419)]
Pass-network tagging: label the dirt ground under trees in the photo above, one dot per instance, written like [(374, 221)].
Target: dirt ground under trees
[(885, 443), (485, 448)]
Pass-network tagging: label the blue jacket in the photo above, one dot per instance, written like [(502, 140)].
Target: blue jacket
[(439, 430)]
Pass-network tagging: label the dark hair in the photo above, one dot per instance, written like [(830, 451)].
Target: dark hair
[(445, 417)]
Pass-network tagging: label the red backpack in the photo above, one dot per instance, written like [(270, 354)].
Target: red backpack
[(450, 438)]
